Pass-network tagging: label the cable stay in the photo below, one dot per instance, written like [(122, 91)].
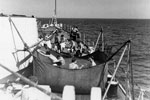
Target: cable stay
[(26, 47), (102, 38), (129, 80), (16, 59), (24, 43)]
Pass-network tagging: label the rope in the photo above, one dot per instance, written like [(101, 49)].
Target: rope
[(26, 48), (16, 29), (24, 57), (118, 50), (16, 59), (131, 71), (25, 45)]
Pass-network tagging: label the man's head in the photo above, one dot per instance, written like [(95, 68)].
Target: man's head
[(58, 56), (73, 59), (48, 52)]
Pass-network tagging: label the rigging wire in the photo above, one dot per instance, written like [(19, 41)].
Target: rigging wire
[(24, 43), (146, 93), (26, 47), (16, 59)]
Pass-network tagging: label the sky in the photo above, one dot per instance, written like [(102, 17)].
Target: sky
[(139, 9)]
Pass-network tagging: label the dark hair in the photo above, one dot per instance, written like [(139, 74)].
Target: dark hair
[(76, 26), (48, 52), (45, 45), (40, 36), (73, 59), (58, 56)]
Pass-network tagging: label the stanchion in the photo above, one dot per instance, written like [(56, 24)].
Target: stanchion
[(96, 93), (68, 93)]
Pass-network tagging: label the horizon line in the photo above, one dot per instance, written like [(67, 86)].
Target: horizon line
[(91, 18), (72, 17)]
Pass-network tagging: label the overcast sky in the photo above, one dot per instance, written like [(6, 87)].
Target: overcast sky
[(78, 8)]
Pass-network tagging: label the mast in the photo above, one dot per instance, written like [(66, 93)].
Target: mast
[(55, 14), (55, 8), (54, 18)]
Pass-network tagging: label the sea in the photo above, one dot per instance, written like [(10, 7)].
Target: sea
[(116, 32)]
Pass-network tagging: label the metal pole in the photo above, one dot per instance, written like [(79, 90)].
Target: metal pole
[(31, 83), (25, 45), (97, 41), (131, 71), (102, 43), (115, 71), (55, 14), (55, 7), (128, 89), (17, 60)]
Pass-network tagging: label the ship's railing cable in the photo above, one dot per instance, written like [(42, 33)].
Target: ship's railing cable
[(118, 50), (130, 71), (128, 76), (17, 59), (24, 43), (145, 92), (34, 45), (26, 47), (103, 42), (99, 36), (54, 96), (118, 64)]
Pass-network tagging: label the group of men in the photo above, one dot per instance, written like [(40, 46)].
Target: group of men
[(60, 43), (74, 65)]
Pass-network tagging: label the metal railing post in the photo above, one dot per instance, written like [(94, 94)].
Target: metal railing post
[(115, 72)]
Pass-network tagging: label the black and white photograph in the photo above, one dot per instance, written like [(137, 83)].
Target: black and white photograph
[(74, 49)]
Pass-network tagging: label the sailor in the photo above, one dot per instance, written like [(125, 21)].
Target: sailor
[(73, 46), (75, 34), (62, 46), (74, 65), (47, 41), (75, 29), (52, 57), (82, 46), (49, 55), (61, 60), (62, 38), (78, 52), (40, 39)]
